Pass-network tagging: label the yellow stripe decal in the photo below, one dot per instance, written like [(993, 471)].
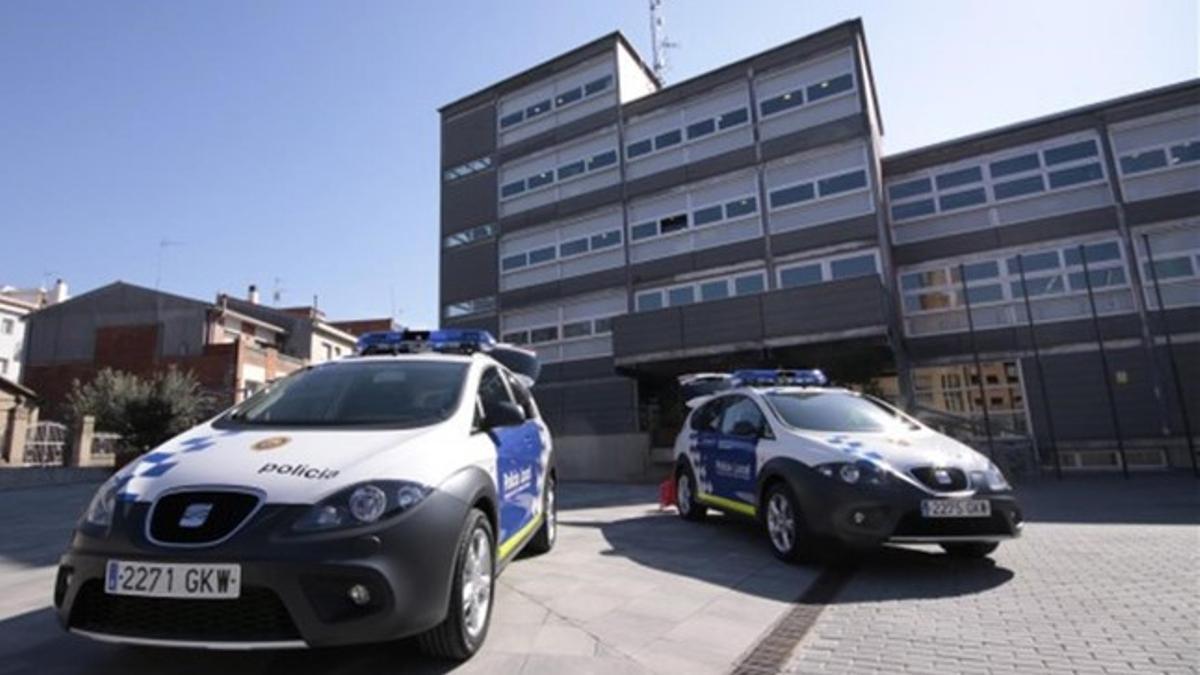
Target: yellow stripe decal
[(508, 545), (727, 504)]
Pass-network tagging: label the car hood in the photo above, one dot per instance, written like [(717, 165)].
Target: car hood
[(902, 451), (288, 466)]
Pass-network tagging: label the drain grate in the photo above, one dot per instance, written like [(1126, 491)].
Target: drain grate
[(771, 653)]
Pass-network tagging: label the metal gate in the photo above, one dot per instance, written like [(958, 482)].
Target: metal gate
[(45, 443)]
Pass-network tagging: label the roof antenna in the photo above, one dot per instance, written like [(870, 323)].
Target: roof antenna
[(659, 41)]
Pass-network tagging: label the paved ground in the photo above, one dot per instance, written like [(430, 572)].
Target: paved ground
[(1107, 579)]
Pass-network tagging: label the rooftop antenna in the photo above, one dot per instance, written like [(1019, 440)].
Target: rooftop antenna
[(163, 245), (659, 41), (277, 292)]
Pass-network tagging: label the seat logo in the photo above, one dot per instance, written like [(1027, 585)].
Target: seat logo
[(270, 443), (942, 477), (195, 515)]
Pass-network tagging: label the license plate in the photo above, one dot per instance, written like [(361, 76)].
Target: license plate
[(956, 508), (173, 580)]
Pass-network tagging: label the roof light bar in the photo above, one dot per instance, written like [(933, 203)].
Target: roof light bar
[(454, 341), (812, 377)]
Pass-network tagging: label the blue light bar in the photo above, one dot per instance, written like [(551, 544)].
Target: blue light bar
[(812, 377), (408, 341)]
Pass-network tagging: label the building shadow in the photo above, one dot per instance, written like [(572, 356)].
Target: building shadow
[(1171, 498)]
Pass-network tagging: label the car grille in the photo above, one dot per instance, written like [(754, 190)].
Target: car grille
[(257, 616), (928, 475), (228, 511), (998, 524)]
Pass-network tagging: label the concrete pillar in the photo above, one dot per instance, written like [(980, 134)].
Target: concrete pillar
[(23, 419), (81, 442)]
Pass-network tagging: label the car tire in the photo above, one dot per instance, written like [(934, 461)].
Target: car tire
[(464, 629), (685, 495), (547, 534), (784, 524), (971, 549)]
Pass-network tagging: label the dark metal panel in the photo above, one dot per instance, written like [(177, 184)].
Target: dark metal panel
[(722, 322), (1180, 320), (530, 295), (521, 220), (1029, 232), (1163, 208), (656, 182), (586, 283), (720, 164), (590, 200), (643, 332), (490, 323), (661, 268), (835, 131), (468, 272), (558, 135), (469, 136), (469, 201), (862, 228), (835, 306), (729, 254)]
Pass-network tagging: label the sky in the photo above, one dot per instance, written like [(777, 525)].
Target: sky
[(294, 144)]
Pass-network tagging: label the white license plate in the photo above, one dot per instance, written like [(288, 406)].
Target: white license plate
[(956, 508), (173, 580)]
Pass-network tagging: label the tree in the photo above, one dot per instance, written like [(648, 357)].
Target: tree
[(145, 411)]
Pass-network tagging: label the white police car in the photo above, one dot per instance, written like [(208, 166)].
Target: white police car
[(814, 462), (359, 500)]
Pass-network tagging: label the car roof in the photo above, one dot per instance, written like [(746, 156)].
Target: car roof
[(419, 356)]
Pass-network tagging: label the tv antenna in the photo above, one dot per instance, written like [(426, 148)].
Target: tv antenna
[(277, 292), (659, 41)]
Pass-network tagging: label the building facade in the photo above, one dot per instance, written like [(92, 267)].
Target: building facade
[(630, 233), (15, 305)]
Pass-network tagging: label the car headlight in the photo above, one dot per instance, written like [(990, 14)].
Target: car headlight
[(100, 510), (855, 473), (993, 478), (362, 504)]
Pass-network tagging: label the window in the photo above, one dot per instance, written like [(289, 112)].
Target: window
[(858, 266), (1035, 262), (911, 188), (639, 148), (570, 170), (913, 209), (597, 85), (1018, 187), (749, 284), (710, 214), (602, 326), (512, 118), (569, 96), (3, 366), (606, 240), (676, 223), (467, 307), (470, 236), (1168, 269), (567, 171), (8, 326), (791, 195), (701, 291), (1095, 253), (845, 182), (801, 275), (733, 118), (514, 262), (466, 169), (961, 177), (545, 334), (668, 139), (512, 189), (959, 200), (649, 301), (989, 293), (741, 207), (982, 270), (521, 393), (1144, 161), (681, 296), (830, 87), (573, 247), (1112, 276), (1019, 164), (1067, 153), (699, 129), (714, 290), (492, 390), (537, 108), (1185, 152), (786, 101), (537, 180), (643, 231), (602, 160), (541, 255), (741, 416), (577, 329), (708, 416), (1080, 174), (520, 337)]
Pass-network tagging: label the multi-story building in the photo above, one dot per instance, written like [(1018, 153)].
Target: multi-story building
[(234, 347), (630, 232), (15, 304)]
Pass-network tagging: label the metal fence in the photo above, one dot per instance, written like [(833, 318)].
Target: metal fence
[(45, 444), (105, 443)]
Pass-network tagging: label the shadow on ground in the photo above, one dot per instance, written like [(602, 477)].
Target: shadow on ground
[(1143, 498)]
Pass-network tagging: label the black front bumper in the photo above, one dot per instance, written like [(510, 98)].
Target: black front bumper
[(869, 514), (293, 589)]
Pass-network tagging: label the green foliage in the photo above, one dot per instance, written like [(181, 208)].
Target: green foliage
[(145, 411)]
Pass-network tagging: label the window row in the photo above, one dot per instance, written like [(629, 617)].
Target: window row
[(469, 307), (467, 168), (819, 188), (470, 236), (1161, 157), (741, 207), (809, 94), (699, 129), (810, 272), (1053, 168), (567, 249), (571, 330), (597, 162), (1176, 265), (747, 283), (562, 100), (1055, 271)]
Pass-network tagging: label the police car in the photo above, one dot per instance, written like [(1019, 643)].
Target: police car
[(814, 463), (360, 500)]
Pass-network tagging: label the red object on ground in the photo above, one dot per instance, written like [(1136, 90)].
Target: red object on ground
[(666, 493)]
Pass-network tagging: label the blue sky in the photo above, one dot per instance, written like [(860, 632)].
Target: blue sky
[(299, 140)]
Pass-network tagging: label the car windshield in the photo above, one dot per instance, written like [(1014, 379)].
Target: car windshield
[(837, 411), (401, 394)]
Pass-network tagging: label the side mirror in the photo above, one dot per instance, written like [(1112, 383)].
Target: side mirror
[(502, 414), (746, 428)]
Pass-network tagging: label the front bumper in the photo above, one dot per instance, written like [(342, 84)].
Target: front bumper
[(869, 515), (293, 588)]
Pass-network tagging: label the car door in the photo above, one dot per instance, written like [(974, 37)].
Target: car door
[(702, 447), (735, 460), (517, 460)]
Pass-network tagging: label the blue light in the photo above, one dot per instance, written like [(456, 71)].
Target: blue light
[(770, 378), (408, 341)]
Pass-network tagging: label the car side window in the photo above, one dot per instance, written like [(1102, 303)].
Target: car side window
[(523, 396), (707, 417), (491, 391), (742, 418)]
